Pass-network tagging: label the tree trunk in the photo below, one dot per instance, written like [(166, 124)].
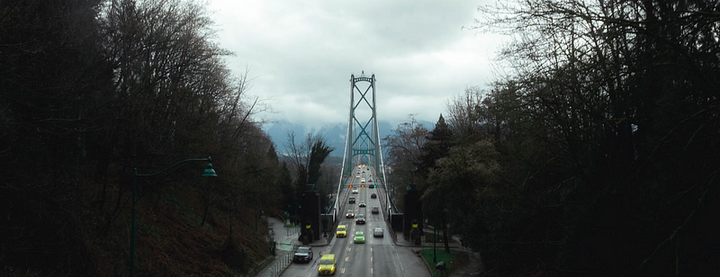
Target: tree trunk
[(205, 214)]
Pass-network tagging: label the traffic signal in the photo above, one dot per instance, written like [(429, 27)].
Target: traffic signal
[(350, 186), (362, 186)]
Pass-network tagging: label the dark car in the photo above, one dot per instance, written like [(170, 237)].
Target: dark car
[(303, 254), (375, 210), (360, 219), (373, 196), (352, 200)]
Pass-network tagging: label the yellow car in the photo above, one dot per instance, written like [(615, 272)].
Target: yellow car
[(327, 264), (341, 231)]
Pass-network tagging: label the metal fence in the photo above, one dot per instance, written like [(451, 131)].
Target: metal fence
[(283, 261), (292, 230)]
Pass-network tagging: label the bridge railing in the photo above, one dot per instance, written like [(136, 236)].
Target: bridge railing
[(281, 263)]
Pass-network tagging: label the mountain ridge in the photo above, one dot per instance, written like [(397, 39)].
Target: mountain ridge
[(333, 133)]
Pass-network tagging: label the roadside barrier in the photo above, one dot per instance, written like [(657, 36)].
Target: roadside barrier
[(281, 263)]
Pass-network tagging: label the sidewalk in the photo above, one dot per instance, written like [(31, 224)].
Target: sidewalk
[(400, 241), (473, 267), (285, 240)]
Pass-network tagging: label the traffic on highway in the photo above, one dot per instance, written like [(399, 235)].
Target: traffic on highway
[(362, 244)]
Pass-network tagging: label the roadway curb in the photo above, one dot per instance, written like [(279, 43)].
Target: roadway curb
[(427, 266)]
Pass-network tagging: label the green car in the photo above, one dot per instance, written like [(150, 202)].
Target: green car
[(359, 237)]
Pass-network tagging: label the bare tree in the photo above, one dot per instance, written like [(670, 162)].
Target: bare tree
[(464, 114), (608, 103), (405, 153), (306, 158)]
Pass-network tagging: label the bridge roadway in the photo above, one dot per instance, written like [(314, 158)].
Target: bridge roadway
[(378, 256)]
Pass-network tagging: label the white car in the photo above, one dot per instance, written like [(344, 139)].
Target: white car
[(362, 180), (378, 232), (355, 191)]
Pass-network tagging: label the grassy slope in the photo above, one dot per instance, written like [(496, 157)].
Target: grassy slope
[(453, 260)]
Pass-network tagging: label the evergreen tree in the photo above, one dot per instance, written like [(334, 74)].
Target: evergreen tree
[(319, 152)]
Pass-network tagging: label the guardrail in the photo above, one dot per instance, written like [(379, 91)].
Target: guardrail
[(292, 230), (281, 263)]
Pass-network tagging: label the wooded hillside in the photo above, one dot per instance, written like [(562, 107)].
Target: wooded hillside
[(92, 89), (596, 153)]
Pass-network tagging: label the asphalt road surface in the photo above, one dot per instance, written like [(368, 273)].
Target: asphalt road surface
[(377, 256)]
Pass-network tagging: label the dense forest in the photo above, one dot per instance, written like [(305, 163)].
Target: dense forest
[(596, 151), (91, 90)]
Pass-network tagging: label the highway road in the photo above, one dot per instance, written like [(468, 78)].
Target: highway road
[(377, 256)]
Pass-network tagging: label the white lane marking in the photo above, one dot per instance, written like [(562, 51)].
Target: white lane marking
[(402, 269)]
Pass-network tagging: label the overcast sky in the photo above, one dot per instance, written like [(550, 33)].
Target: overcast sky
[(300, 54)]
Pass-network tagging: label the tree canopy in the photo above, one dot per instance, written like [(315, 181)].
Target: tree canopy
[(92, 90), (597, 153)]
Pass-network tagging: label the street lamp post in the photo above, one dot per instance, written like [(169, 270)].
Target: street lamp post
[(209, 172), (434, 232), (260, 214), (325, 222)]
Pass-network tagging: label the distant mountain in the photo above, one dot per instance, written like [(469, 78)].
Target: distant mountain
[(334, 134)]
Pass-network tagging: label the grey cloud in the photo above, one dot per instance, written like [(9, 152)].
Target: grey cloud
[(302, 55)]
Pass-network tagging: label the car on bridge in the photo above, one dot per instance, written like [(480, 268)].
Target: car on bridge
[(362, 180), (375, 210), (373, 196), (355, 191), (362, 204), (303, 254), (360, 219), (327, 264), (378, 232), (359, 237), (349, 214), (351, 200), (341, 231)]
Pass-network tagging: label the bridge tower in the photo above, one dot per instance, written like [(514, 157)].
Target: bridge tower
[(363, 140)]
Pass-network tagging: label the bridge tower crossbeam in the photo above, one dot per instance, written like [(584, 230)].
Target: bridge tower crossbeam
[(363, 140), (362, 144)]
